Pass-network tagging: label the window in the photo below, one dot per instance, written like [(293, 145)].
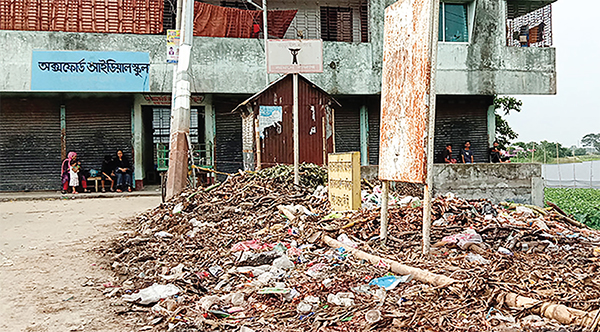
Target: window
[(336, 24), (161, 123), (453, 23)]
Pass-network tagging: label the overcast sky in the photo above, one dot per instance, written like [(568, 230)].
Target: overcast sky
[(575, 110)]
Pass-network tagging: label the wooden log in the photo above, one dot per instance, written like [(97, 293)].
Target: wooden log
[(558, 312)]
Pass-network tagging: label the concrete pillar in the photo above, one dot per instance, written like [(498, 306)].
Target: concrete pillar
[(210, 127), (491, 125), (537, 191), (364, 136), (138, 143)]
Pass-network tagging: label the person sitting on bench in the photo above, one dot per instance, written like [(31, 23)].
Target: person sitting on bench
[(123, 172), (108, 172)]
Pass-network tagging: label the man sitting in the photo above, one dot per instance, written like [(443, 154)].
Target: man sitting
[(447, 155), (495, 155)]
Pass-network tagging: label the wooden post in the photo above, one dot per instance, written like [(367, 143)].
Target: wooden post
[(296, 133), (258, 145), (333, 127), (324, 141), (385, 194)]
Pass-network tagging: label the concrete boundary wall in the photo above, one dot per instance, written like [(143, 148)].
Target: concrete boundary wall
[(515, 182)]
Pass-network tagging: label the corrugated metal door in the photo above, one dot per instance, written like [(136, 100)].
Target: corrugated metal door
[(228, 138), (461, 119), (347, 126), (97, 127), (29, 144), (374, 121)]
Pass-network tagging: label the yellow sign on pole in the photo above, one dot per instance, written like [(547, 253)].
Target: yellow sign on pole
[(344, 181)]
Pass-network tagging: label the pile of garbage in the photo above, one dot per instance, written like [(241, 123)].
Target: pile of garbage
[(251, 254)]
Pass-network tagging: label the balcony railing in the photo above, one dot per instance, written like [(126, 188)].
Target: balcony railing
[(99, 16), (525, 28)]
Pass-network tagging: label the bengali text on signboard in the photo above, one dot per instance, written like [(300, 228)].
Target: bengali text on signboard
[(90, 71), (344, 181)]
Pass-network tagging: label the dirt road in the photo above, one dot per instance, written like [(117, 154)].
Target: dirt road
[(50, 271)]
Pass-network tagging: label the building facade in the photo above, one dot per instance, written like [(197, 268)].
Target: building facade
[(486, 47)]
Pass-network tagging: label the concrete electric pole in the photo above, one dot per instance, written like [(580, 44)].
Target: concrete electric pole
[(180, 108)]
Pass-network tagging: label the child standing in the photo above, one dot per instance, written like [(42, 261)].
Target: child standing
[(73, 178)]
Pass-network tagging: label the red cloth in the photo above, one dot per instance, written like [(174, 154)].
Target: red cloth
[(216, 21)]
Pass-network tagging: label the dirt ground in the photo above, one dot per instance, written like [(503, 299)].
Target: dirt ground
[(51, 273)]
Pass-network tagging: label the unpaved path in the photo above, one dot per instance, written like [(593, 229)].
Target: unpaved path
[(50, 271)]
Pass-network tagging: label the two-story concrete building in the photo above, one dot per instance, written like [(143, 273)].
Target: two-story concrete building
[(96, 106)]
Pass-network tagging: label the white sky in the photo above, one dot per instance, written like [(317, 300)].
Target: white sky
[(575, 110)]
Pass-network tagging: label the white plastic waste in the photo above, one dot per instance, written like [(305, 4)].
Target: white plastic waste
[(176, 273), (153, 293), (343, 238), (208, 301), (283, 262), (178, 208), (345, 299)]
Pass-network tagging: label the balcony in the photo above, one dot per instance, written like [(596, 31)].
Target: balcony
[(527, 26)]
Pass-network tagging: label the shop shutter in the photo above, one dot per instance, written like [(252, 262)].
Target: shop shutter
[(29, 144), (228, 139), (347, 126), (97, 127), (374, 122)]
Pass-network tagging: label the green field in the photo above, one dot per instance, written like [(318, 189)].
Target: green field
[(583, 204)]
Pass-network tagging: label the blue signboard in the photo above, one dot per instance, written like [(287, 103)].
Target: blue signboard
[(90, 71)]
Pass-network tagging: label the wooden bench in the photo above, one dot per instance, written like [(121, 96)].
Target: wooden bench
[(96, 179)]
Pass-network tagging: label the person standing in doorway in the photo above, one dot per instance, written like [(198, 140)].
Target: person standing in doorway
[(466, 155), (123, 172)]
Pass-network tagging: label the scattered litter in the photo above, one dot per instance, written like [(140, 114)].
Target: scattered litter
[(152, 294)]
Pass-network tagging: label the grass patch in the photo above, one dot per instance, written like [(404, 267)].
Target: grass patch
[(583, 204)]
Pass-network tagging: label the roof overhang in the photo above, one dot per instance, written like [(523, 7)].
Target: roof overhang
[(241, 106), (516, 8)]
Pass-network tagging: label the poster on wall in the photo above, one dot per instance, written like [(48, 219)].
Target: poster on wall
[(172, 46), (90, 71), (269, 116)]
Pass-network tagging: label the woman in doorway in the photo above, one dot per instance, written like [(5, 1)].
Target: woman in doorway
[(123, 172), (66, 176)]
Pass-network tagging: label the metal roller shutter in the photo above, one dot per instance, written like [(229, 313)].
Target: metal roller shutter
[(374, 122), (29, 144), (461, 119), (97, 127), (228, 139), (347, 126)]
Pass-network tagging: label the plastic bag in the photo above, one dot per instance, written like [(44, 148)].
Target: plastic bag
[(153, 293)]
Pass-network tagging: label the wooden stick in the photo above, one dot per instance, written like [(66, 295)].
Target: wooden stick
[(385, 193), (558, 312)]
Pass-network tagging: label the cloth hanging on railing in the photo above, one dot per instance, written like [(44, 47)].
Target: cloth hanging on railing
[(216, 21)]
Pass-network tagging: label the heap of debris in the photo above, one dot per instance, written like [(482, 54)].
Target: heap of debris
[(248, 255)]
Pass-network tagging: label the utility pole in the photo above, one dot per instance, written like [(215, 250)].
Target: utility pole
[(296, 132), (266, 37), (180, 109), (265, 33)]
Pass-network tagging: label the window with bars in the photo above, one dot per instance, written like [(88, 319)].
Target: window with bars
[(161, 124), (336, 24), (453, 25)]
